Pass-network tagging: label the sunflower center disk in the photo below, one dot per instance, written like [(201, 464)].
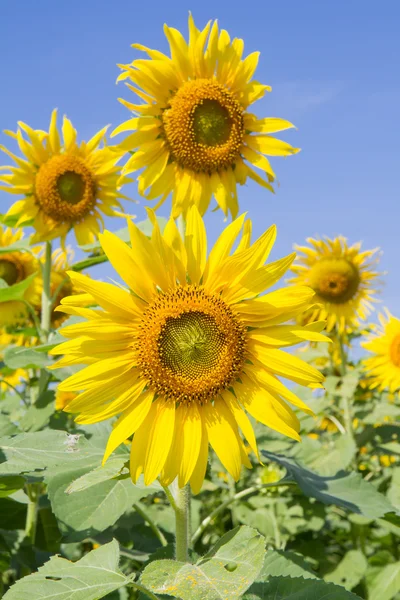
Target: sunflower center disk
[(395, 351), (65, 188), (335, 280), (8, 272), (191, 345), (203, 125)]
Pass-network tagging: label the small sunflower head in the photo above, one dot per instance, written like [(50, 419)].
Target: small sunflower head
[(344, 280), (65, 185)]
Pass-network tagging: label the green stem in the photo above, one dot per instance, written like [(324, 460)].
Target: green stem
[(348, 419), (182, 525), (247, 492), (46, 294), (32, 513), (158, 533)]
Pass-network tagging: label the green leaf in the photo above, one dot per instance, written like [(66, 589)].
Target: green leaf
[(90, 511), (347, 490), (12, 514), (20, 245), (111, 469), (38, 414), (90, 578), (225, 572), (286, 588), (48, 535), (394, 489), (10, 484), (350, 570), (17, 357), (27, 452), (16, 291), (384, 584), (285, 564), (326, 458)]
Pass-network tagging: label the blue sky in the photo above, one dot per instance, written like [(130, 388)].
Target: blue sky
[(334, 70)]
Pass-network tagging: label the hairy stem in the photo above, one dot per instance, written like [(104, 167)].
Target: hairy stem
[(182, 524)]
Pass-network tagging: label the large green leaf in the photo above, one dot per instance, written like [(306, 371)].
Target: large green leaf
[(347, 490), (90, 511), (111, 469), (225, 572), (278, 563), (384, 584), (326, 458), (16, 291), (90, 578), (38, 414), (19, 357), (286, 588), (350, 570), (27, 452)]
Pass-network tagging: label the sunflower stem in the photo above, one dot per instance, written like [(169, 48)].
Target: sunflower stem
[(182, 524), (32, 512), (348, 419), (46, 294)]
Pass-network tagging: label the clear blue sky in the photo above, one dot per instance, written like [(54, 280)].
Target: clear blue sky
[(334, 70)]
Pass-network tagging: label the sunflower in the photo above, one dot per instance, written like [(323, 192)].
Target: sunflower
[(343, 277), (62, 399), (193, 134), (15, 266), (383, 368), (65, 185), (188, 349)]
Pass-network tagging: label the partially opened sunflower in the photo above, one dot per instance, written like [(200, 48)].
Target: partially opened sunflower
[(383, 365), (194, 135), (188, 349), (345, 280), (15, 267), (65, 184)]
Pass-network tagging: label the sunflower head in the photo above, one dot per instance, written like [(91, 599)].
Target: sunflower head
[(188, 349), (65, 185), (195, 136), (382, 367), (343, 277), (15, 266)]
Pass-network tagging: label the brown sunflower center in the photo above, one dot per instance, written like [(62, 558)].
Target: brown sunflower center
[(336, 280), (395, 350), (9, 271), (65, 188), (191, 346), (203, 125)]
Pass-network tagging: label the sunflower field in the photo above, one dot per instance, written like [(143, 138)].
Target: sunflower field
[(182, 415)]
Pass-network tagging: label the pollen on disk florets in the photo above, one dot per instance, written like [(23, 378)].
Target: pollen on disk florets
[(191, 346), (65, 188), (336, 280), (203, 126)]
